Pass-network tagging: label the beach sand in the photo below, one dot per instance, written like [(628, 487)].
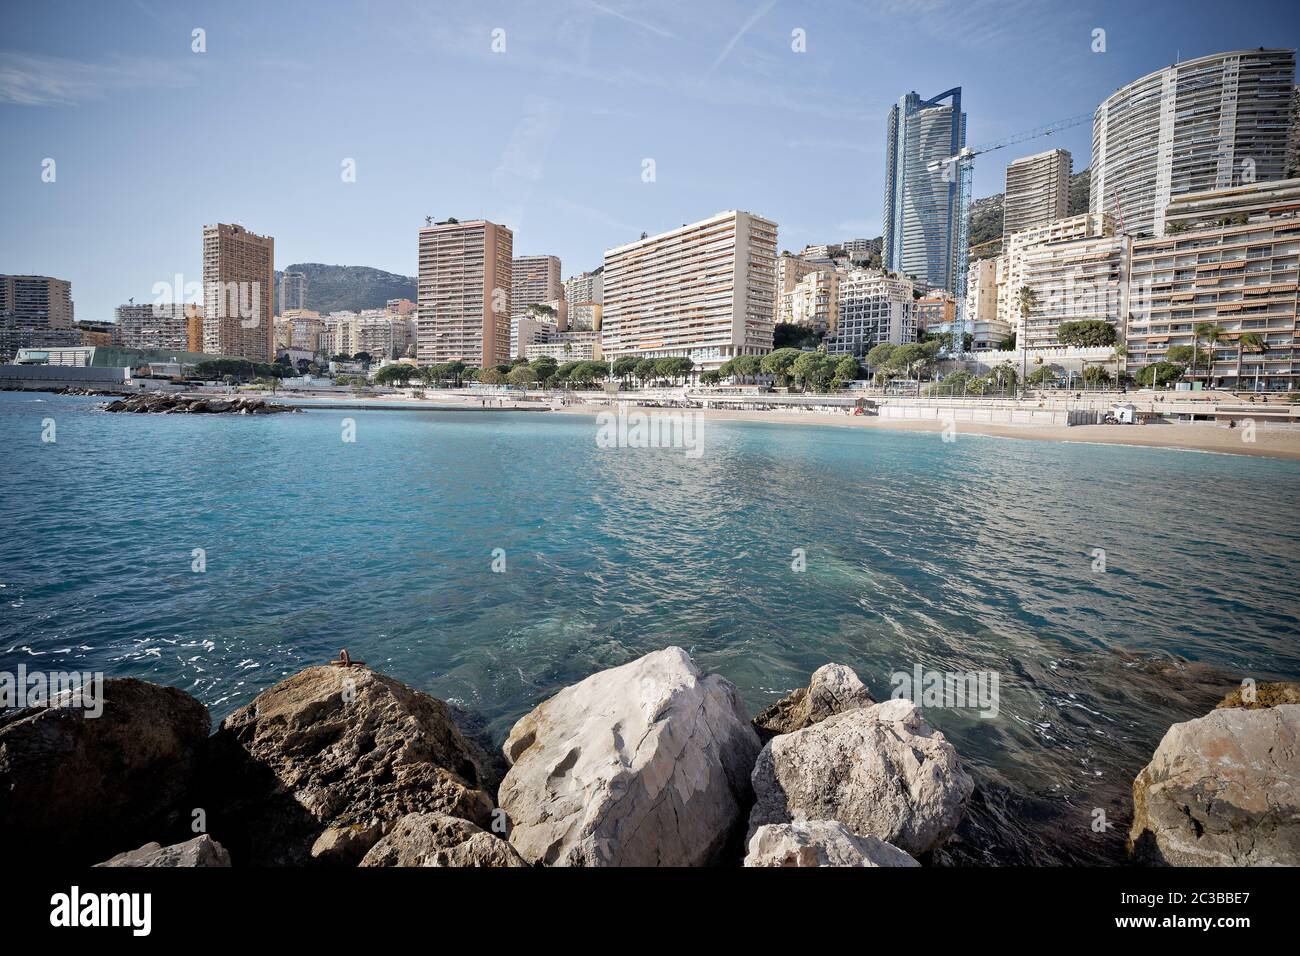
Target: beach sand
[(1270, 441)]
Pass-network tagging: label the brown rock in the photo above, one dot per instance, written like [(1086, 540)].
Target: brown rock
[(336, 748), (1265, 695), (76, 788), (834, 688), (201, 851)]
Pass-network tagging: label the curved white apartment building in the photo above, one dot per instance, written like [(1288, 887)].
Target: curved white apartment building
[(1209, 123)]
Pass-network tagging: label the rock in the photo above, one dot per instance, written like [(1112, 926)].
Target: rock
[(199, 406), (820, 843), (880, 770), (1222, 790), (218, 405), (77, 788), (646, 764), (115, 406), (201, 851), (434, 839), (336, 749), (834, 688), (1265, 695)]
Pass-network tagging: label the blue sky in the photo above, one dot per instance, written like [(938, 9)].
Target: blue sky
[(152, 140)]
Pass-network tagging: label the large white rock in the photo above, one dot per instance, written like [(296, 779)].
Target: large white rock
[(201, 851), (820, 843), (641, 765), (881, 770), (1222, 790)]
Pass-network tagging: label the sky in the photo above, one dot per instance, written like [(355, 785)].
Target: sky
[(538, 115)]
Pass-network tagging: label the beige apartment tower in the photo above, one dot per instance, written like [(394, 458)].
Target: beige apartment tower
[(464, 293), (704, 291), (238, 293), (1037, 191), (534, 280)]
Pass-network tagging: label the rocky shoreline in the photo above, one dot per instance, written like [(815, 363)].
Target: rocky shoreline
[(165, 404), (653, 763)]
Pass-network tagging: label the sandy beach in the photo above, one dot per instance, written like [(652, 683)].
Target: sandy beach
[(1270, 441)]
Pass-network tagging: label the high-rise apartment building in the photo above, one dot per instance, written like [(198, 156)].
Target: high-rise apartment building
[(1037, 191), (1234, 264), (921, 203), (585, 287), (35, 311), (703, 291), (534, 280), (1209, 123), (154, 325), (465, 293), (238, 293), (1078, 280), (1011, 263), (790, 270), (872, 309), (292, 293)]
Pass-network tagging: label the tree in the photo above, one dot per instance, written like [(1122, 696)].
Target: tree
[(1040, 377), (674, 368), (1210, 334), (878, 357), (1121, 350), (1159, 374), (1096, 375), (780, 363), (624, 367), (1089, 333), (491, 376), (1182, 354), (813, 369), (521, 375), (1003, 377), (646, 370), (394, 374), (362, 357), (454, 371), (711, 377), (748, 366), (847, 369), (544, 367), (1254, 343)]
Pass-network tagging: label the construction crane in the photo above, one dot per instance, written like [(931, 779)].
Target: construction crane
[(961, 168)]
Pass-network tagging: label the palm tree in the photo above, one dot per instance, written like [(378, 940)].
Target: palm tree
[(1026, 299), (1121, 350), (1210, 334), (1250, 342)]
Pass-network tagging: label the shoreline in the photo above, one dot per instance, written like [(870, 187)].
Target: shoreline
[(1278, 443)]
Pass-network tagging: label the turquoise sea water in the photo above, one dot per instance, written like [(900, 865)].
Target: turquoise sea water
[(975, 555)]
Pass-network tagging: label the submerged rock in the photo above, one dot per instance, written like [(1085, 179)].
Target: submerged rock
[(171, 404), (820, 843), (881, 770), (435, 839), (201, 851), (320, 766), (646, 764), (1222, 790), (834, 688), (76, 788)]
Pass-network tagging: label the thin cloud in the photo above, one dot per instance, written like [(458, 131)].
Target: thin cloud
[(643, 24), (744, 28), (32, 79)]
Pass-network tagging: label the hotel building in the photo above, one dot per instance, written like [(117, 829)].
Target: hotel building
[(1232, 261), (35, 311), (1208, 123), (238, 289), (704, 291), (1037, 191), (465, 293), (1011, 263), (873, 308)]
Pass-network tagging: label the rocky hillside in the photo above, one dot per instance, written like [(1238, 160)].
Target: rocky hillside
[(351, 288)]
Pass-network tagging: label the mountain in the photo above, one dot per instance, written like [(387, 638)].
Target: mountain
[(350, 288), (986, 215)]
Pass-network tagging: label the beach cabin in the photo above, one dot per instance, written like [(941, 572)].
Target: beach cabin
[(1124, 414)]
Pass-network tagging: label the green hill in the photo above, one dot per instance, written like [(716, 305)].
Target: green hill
[(350, 288)]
